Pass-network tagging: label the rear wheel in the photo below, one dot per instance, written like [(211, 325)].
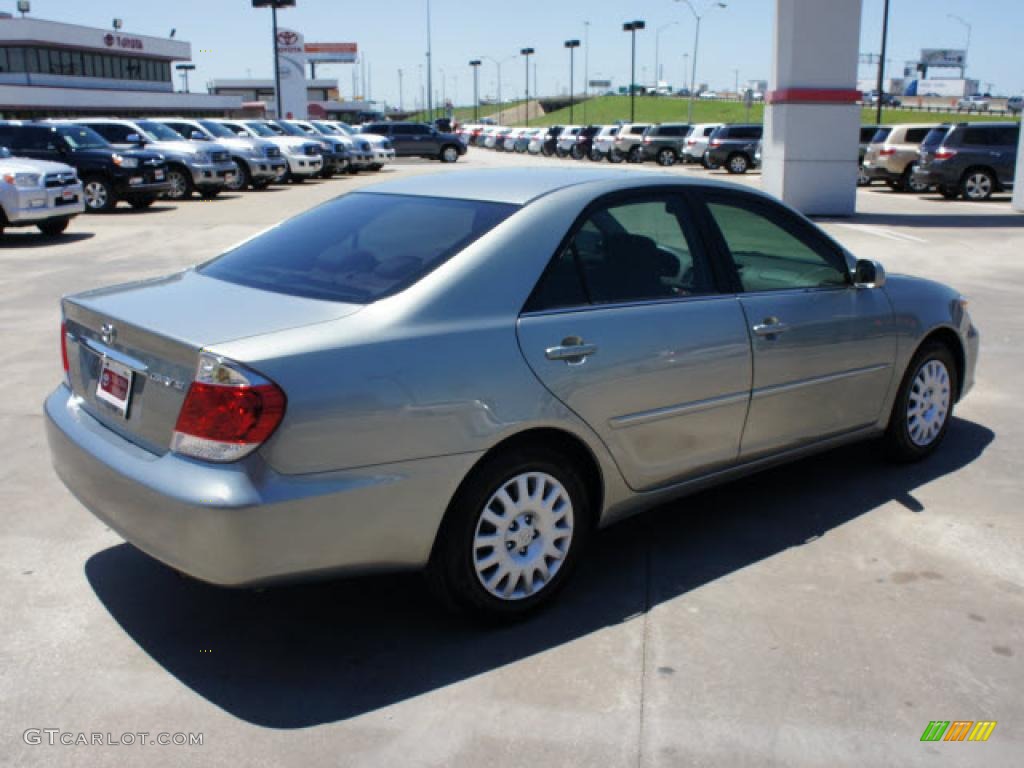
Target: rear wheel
[(908, 184), (737, 163), (924, 404), (449, 154), (666, 157), (614, 156), (53, 227), (576, 152), (977, 184), (98, 194), (242, 178), (595, 156), (863, 179), (512, 535), (634, 155)]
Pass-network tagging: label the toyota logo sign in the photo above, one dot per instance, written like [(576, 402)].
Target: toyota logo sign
[(109, 40), (287, 37)]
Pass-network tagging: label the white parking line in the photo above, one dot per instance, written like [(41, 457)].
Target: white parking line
[(888, 234)]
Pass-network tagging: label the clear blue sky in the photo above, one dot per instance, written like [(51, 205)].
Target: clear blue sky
[(230, 39)]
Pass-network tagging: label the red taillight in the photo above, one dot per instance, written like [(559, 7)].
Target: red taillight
[(228, 412), (886, 151), (690, 142), (64, 347), (945, 154), (647, 140)]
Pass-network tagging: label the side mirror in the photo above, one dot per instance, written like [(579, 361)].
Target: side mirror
[(868, 274), (134, 138), (198, 136)]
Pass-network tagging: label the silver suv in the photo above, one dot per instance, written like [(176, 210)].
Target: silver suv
[(192, 166), (258, 162), (38, 193), (627, 143), (304, 156)]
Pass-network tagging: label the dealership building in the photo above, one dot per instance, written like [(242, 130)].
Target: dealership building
[(52, 69)]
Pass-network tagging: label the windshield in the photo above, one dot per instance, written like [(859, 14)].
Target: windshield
[(160, 131), (326, 128), (935, 137), (260, 130), (82, 137), (217, 129), (290, 129), (360, 247), (881, 135), (346, 128)]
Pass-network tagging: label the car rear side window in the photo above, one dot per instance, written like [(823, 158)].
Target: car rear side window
[(771, 253), (881, 135), (916, 135), (360, 247), (978, 136)]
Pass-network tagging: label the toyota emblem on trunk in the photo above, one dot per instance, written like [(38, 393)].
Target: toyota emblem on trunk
[(108, 333)]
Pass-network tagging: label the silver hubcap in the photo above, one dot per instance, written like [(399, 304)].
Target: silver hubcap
[(667, 158), (178, 185), (523, 536), (236, 185), (928, 405), (450, 155), (738, 164), (978, 185), (95, 195)]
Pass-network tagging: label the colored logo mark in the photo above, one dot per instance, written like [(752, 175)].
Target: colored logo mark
[(958, 730)]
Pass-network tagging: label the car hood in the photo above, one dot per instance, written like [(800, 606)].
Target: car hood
[(290, 141), (187, 147), (28, 165)]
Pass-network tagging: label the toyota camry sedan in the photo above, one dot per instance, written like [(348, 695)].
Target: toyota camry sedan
[(471, 373)]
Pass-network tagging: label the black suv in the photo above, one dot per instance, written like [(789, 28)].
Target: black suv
[(664, 142), (419, 140), (733, 146), (969, 159), (108, 175)]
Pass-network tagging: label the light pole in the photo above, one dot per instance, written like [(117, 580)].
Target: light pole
[(498, 65), (586, 67), (526, 53), (475, 64), (185, 69), (632, 27), (967, 47), (657, 41), (444, 91), (696, 42), (881, 62), (736, 86), (400, 107), (430, 70), (572, 45), (274, 5)]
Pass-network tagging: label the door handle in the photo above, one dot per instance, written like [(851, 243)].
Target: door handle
[(770, 326), (572, 350)]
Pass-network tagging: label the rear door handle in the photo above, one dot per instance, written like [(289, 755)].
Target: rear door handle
[(572, 350), (770, 326)]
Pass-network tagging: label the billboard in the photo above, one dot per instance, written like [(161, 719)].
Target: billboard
[(600, 83), (340, 53), (944, 57)]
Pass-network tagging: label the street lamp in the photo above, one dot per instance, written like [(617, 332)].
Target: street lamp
[(401, 107), (632, 27), (586, 67), (696, 42), (475, 64), (526, 53), (572, 45), (657, 58), (430, 69), (498, 65), (274, 5), (967, 47), (185, 69)]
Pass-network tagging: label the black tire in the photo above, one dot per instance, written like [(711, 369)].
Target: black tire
[(98, 194), (449, 153), (576, 152), (666, 157), (261, 184), (595, 156), (327, 172), (863, 180), (451, 571), (181, 183), (559, 152), (209, 193), (546, 150), (614, 156), (141, 203), (243, 178), (634, 155), (907, 183), (899, 440), (737, 163), (53, 227), (950, 193), (375, 167), (294, 179), (977, 184)]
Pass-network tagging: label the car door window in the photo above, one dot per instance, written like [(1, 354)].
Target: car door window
[(116, 134), (635, 250), (770, 253)]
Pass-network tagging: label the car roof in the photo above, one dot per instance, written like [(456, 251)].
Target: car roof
[(519, 186)]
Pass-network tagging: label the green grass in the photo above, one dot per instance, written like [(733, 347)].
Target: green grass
[(465, 114), (915, 116)]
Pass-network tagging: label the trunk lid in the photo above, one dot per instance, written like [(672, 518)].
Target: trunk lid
[(156, 329)]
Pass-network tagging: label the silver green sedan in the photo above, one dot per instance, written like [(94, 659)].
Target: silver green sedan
[(469, 373)]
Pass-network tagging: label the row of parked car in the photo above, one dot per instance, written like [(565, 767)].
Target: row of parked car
[(972, 160), (733, 146), (52, 170)]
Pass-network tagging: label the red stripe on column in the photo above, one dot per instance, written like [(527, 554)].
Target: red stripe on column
[(813, 96)]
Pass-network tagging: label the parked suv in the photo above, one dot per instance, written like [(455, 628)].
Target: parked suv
[(603, 142), (191, 166), (733, 146), (335, 153), (379, 148), (302, 155), (567, 140), (697, 141), (550, 143), (419, 140), (969, 159), (867, 135), (892, 156), (108, 176), (257, 161), (38, 193), (627, 143), (664, 142)]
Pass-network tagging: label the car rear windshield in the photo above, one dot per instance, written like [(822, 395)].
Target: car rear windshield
[(935, 137), (360, 247), (881, 135)]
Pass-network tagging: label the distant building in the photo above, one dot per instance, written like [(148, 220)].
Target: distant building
[(52, 69), (258, 99)]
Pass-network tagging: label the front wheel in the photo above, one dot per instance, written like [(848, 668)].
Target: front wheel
[(595, 156), (634, 155), (737, 163), (209, 193), (53, 227), (977, 185), (512, 535), (99, 195), (924, 404), (576, 152), (242, 178), (181, 184), (449, 154), (614, 156)]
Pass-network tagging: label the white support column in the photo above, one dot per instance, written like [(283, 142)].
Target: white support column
[(811, 123), (1018, 176)]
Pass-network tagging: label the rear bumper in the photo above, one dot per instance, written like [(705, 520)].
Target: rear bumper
[(240, 524), (881, 173), (936, 177)]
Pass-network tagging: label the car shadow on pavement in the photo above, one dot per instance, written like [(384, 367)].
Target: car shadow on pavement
[(32, 239), (297, 656)]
